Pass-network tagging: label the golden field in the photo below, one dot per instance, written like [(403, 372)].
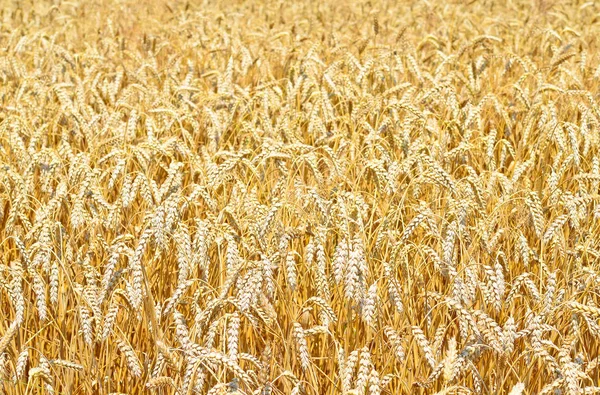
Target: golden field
[(261, 197)]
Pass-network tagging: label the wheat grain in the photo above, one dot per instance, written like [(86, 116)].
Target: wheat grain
[(226, 193)]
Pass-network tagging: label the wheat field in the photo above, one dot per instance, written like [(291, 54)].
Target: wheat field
[(308, 197)]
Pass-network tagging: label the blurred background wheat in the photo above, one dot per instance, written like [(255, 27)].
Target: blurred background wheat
[(307, 197)]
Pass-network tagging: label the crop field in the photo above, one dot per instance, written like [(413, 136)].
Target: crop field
[(299, 197)]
